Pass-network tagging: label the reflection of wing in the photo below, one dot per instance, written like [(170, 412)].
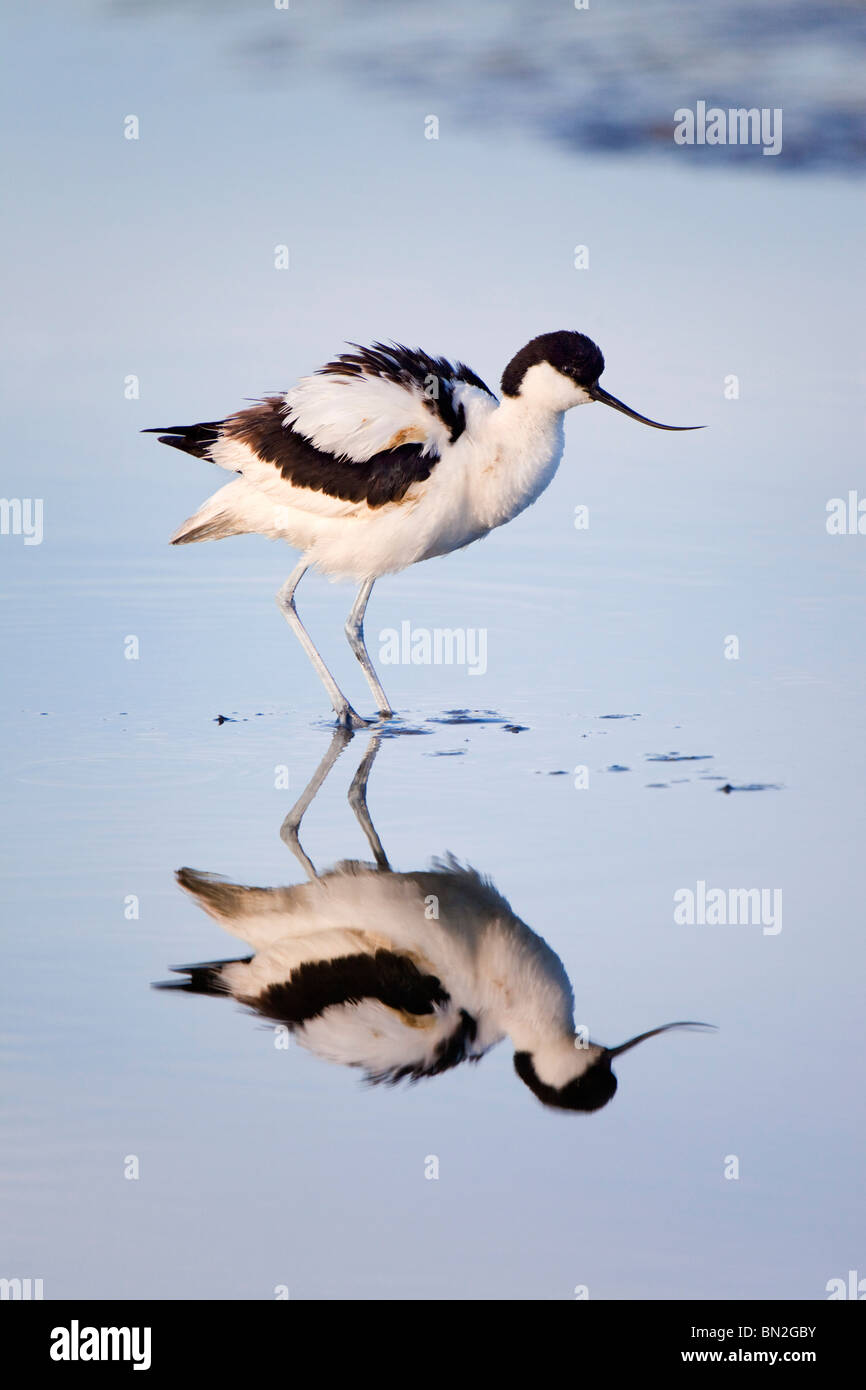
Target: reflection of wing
[(351, 994), (390, 1045), (377, 1011)]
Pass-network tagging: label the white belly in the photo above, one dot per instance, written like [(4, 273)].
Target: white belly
[(471, 490), (479, 483)]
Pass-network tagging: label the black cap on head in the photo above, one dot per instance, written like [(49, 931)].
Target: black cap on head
[(572, 354), (590, 1091), (577, 358)]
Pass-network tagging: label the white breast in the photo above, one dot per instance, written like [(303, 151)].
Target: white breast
[(500, 465)]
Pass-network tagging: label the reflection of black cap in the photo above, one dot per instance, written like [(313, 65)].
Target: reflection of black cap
[(590, 1091)]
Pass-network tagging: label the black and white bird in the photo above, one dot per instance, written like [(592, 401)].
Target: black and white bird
[(387, 456), (360, 972), (405, 975)]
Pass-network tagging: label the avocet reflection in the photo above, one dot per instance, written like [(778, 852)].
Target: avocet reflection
[(404, 975)]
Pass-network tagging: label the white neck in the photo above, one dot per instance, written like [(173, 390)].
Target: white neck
[(544, 388), (526, 989), (521, 452), (557, 1063), (524, 440), (507, 456)]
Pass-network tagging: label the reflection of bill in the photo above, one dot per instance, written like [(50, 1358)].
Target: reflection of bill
[(404, 975)]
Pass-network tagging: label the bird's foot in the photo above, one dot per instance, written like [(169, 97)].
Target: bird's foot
[(349, 718)]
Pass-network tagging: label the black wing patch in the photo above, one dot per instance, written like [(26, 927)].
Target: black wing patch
[(410, 367), (386, 477), (318, 985), (383, 478), (391, 978), (315, 986)]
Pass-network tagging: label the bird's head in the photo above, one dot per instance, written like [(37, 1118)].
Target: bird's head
[(571, 1075), (559, 370)]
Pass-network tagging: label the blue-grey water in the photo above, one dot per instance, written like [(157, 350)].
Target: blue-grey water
[(153, 259)]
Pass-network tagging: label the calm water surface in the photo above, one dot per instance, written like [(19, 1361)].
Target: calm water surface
[(260, 1166)]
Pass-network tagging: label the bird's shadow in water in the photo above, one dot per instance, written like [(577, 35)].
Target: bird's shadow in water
[(404, 975)]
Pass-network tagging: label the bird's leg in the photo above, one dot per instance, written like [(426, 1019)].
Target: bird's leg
[(346, 716), (292, 824), (358, 803), (355, 634)]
